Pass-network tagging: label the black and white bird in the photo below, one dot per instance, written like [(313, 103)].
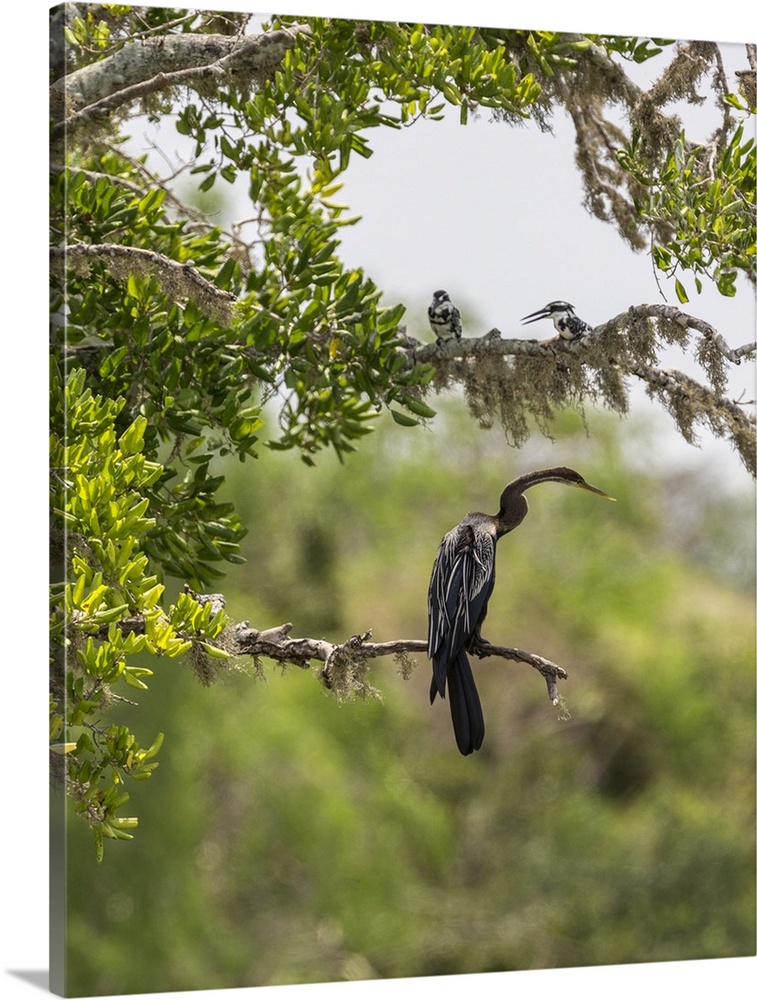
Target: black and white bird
[(444, 318), (563, 315)]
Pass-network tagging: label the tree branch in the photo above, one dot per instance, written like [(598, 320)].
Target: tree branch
[(276, 644), (493, 343), (516, 378), (343, 663), (180, 280), (153, 65), (689, 402), (95, 175), (197, 218), (674, 314)]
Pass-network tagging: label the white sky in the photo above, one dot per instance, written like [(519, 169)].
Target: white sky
[(492, 230)]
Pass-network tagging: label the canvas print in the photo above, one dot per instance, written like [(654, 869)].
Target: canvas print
[(402, 459)]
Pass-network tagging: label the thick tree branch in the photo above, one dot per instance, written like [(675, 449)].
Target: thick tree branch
[(181, 280), (152, 65)]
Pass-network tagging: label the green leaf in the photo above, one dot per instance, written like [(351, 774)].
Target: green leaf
[(419, 407), (402, 418), (214, 651), (132, 441)]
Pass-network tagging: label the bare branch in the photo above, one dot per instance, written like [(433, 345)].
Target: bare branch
[(550, 671), (276, 644), (720, 81)]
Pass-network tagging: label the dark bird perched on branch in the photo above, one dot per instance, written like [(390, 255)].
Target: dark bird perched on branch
[(462, 582), (444, 318), (563, 315)]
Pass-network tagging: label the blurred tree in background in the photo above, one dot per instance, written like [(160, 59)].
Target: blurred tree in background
[(299, 838)]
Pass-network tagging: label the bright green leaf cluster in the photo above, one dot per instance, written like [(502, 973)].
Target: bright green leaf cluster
[(188, 616), (108, 611), (88, 32), (97, 768), (173, 366)]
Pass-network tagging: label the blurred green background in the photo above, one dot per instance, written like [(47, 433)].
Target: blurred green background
[(289, 838)]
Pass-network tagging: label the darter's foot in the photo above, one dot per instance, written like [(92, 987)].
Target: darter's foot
[(476, 642)]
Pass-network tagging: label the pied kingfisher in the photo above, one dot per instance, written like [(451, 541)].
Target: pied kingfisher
[(444, 318), (563, 315)]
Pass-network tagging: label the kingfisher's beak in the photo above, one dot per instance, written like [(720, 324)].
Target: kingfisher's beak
[(593, 489), (539, 314)]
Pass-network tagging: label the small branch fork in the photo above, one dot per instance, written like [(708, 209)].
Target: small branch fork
[(276, 644)]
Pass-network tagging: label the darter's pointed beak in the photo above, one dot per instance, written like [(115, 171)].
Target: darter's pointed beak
[(593, 489)]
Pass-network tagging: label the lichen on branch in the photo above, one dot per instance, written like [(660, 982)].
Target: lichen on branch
[(513, 380)]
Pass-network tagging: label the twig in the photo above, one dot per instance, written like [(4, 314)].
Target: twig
[(198, 219), (550, 671), (689, 403), (95, 175), (674, 380)]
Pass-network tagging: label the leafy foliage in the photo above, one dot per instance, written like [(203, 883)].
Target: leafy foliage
[(633, 47), (103, 493), (182, 333), (699, 199), (691, 200)]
